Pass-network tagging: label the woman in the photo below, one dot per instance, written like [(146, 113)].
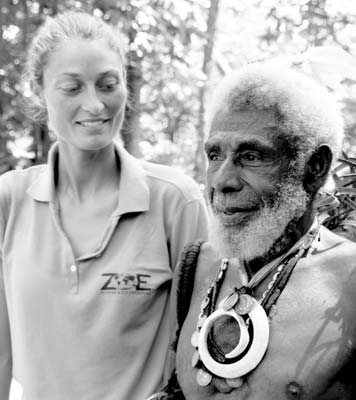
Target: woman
[(88, 241)]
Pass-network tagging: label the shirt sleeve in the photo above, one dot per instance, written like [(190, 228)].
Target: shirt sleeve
[(5, 344), (191, 223), (5, 341)]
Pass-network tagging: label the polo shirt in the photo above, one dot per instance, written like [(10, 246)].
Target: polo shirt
[(96, 326)]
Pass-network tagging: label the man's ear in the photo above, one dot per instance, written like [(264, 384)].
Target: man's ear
[(317, 169)]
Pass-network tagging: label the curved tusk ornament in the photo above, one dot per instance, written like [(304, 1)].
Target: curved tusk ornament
[(255, 353), (205, 330)]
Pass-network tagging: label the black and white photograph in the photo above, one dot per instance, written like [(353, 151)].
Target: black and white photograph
[(177, 200)]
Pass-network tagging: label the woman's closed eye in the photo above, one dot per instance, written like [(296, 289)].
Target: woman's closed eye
[(108, 84), (71, 88)]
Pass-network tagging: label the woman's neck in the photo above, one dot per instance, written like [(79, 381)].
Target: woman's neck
[(85, 173)]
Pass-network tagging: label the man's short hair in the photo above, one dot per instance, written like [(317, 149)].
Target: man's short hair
[(307, 113)]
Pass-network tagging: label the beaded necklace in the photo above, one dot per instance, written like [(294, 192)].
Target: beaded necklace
[(227, 371)]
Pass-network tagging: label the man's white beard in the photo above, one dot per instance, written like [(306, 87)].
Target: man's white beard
[(268, 224)]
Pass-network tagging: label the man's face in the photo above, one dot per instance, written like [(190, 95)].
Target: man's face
[(246, 164), (247, 179)]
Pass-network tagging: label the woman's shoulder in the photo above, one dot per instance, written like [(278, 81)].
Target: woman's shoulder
[(172, 179), (18, 181)]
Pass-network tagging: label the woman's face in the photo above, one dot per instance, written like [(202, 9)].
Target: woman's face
[(85, 93)]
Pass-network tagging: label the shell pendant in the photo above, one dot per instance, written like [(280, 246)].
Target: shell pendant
[(245, 305)]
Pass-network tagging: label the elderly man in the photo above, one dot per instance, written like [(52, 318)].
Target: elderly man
[(271, 314)]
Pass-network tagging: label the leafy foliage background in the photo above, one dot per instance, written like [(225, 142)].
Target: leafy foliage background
[(176, 52)]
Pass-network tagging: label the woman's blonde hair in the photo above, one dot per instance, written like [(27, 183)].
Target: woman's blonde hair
[(68, 25)]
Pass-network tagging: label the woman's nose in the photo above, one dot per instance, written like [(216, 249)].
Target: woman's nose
[(92, 102)]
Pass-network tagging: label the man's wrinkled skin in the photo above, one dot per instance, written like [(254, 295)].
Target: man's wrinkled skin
[(311, 352)]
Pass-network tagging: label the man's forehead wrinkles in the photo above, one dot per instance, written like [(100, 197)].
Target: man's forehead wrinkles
[(239, 143), (234, 136), (243, 118), (244, 128)]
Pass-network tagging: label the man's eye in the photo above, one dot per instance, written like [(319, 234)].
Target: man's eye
[(250, 158), (213, 156)]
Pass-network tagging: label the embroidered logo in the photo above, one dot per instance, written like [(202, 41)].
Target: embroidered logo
[(126, 283)]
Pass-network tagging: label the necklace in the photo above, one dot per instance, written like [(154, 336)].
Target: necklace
[(227, 371)]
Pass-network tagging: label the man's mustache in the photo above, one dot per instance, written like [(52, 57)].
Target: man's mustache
[(235, 202)]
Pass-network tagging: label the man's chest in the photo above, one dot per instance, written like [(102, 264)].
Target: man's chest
[(310, 342)]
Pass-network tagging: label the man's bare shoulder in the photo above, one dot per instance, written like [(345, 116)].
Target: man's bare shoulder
[(336, 255), (330, 271), (207, 252), (332, 241)]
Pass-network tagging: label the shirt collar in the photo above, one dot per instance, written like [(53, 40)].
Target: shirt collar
[(134, 193), (42, 188)]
